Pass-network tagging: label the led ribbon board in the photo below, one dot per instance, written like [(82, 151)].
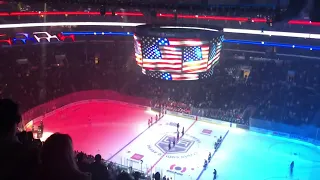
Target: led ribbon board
[(25, 37), (97, 33), (273, 44), (237, 41), (164, 15), (115, 24)]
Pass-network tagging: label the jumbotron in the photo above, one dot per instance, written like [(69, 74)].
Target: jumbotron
[(177, 53)]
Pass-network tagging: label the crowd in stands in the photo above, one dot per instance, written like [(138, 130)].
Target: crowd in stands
[(285, 92)]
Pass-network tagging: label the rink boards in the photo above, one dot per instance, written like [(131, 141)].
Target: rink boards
[(250, 128)]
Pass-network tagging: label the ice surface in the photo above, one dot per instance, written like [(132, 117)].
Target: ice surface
[(183, 162), (251, 156), (243, 155)]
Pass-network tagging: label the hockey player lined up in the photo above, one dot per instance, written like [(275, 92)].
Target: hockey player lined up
[(169, 145), (205, 164), (174, 142), (209, 157), (182, 132), (178, 136), (157, 118), (150, 122), (178, 127)]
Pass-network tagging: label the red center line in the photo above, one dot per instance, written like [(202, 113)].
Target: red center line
[(164, 154)]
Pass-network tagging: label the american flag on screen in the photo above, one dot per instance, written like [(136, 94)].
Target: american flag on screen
[(174, 54), (214, 54), (172, 76), (137, 50), (195, 59), (176, 58), (159, 55)]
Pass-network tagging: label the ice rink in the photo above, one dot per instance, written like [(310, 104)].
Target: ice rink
[(252, 156), (109, 128)]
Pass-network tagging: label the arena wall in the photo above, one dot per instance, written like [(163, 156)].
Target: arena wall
[(306, 133)]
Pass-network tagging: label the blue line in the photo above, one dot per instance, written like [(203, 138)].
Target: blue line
[(130, 142), (198, 178)]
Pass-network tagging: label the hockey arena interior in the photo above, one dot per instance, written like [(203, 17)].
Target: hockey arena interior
[(160, 90)]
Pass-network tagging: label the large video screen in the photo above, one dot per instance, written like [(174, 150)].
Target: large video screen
[(176, 58)]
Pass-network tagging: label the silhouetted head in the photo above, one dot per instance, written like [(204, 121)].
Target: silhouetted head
[(57, 153), (80, 157), (124, 176), (157, 176), (97, 158), (9, 118)]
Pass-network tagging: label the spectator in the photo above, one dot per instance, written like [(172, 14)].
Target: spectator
[(98, 169), (124, 176), (16, 160), (82, 164), (58, 160), (22, 137), (157, 176)]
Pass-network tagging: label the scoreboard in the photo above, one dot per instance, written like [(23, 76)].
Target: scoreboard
[(178, 54)]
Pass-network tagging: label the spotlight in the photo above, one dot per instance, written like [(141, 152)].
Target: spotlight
[(102, 10)]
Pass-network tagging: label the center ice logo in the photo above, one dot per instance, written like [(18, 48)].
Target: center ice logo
[(182, 146), (182, 149)]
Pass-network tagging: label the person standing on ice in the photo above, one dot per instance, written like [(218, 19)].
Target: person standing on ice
[(291, 167), (178, 136), (214, 174), (178, 127), (174, 141)]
